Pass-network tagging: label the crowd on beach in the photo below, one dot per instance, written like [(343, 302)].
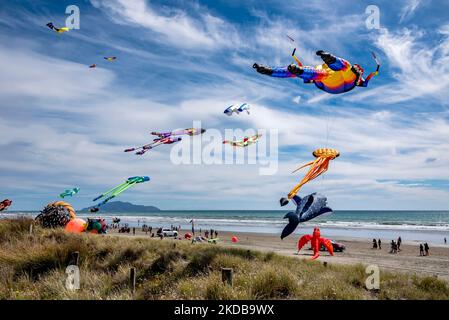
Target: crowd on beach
[(209, 234), (395, 246)]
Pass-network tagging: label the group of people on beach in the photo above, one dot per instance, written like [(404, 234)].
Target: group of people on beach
[(395, 245), (212, 233), (377, 244), (423, 249)]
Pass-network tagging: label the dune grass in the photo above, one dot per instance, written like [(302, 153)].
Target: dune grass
[(34, 266)]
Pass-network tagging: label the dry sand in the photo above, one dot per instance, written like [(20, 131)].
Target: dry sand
[(357, 251)]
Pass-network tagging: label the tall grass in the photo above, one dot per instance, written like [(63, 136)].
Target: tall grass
[(34, 266)]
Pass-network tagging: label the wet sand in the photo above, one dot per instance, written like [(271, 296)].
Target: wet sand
[(357, 251)]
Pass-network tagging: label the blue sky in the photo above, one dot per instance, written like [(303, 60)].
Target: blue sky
[(64, 125)]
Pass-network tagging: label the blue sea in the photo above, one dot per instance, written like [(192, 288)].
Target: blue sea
[(412, 226)]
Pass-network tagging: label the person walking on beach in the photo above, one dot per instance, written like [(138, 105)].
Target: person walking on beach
[(216, 234), (426, 248), (399, 243), (421, 249), (445, 240), (393, 246), (379, 243), (374, 244)]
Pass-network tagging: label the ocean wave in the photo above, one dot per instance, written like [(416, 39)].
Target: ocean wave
[(252, 223)]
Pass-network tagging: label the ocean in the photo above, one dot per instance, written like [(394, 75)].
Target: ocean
[(412, 226)]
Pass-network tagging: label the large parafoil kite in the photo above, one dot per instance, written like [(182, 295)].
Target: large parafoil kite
[(335, 75), (112, 193), (317, 167), (69, 193), (168, 137), (316, 242), (307, 208), (110, 58), (57, 30), (244, 142)]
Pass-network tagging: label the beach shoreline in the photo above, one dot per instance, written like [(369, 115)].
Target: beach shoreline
[(358, 251)]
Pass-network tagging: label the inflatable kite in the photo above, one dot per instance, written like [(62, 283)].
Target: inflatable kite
[(97, 226), (245, 142), (188, 131), (317, 167), (156, 142), (335, 75), (57, 30), (112, 193), (69, 192), (110, 58), (316, 243), (76, 225), (307, 208), (56, 214), (5, 204), (235, 108), (165, 138)]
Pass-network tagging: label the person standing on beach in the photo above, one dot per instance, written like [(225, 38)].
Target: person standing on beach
[(399, 243), (445, 240), (426, 248), (421, 249), (374, 244), (379, 244)]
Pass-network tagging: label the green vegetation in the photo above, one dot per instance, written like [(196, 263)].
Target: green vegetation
[(34, 266)]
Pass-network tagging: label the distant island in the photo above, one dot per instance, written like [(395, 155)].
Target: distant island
[(119, 206)]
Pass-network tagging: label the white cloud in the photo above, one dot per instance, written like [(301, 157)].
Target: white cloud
[(420, 68), (174, 26), (409, 9)]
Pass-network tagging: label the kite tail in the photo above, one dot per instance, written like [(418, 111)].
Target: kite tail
[(110, 191), (307, 164)]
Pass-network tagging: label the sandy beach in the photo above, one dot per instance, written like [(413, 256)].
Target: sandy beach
[(357, 251)]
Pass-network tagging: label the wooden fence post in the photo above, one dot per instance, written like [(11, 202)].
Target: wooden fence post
[(227, 275), (132, 279), (31, 229), (75, 258)]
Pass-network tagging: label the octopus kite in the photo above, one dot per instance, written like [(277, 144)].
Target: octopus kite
[(112, 193), (316, 243), (335, 75), (5, 204), (317, 167), (245, 142)]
